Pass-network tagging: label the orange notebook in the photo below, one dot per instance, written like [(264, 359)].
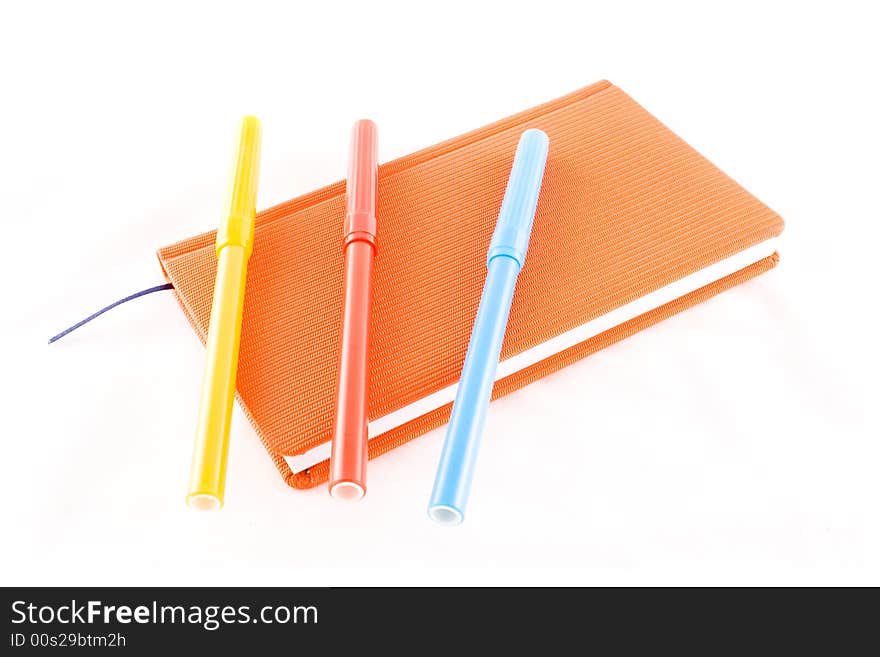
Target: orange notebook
[(633, 225)]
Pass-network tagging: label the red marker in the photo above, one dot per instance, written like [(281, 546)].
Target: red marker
[(348, 459)]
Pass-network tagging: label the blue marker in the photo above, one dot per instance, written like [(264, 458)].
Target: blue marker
[(507, 252)]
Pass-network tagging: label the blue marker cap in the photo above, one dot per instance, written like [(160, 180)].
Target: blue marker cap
[(511, 237)]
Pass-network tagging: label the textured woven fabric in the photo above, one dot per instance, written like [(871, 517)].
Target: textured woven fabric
[(626, 208)]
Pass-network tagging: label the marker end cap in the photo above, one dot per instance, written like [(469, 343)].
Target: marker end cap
[(204, 502), (347, 491), (445, 515)]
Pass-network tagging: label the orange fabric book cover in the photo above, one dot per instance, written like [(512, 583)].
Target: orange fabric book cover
[(632, 226)]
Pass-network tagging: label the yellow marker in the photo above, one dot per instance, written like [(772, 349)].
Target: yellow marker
[(235, 239)]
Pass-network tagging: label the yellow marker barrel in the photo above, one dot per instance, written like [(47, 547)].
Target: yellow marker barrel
[(235, 238)]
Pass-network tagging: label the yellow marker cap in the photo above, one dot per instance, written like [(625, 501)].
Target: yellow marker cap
[(237, 228)]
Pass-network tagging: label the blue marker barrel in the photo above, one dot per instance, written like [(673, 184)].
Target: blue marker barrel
[(506, 256)]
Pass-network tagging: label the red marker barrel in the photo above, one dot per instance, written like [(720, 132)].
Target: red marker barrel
[(348, 459)]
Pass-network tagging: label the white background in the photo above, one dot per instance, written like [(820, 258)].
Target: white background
[(734, 444)]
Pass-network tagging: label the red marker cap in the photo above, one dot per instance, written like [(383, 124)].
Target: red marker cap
[(363, 175)]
